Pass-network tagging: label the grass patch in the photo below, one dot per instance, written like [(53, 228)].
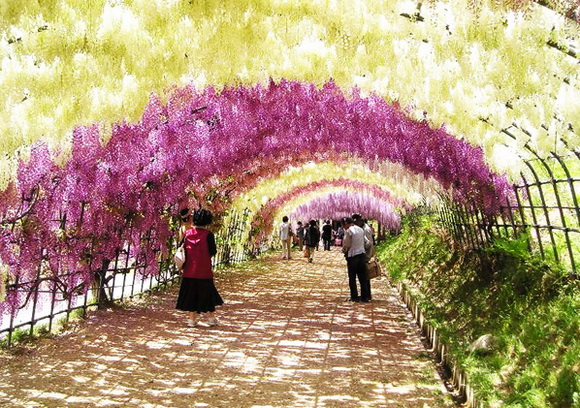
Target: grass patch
[(529, 305), (423, 356)]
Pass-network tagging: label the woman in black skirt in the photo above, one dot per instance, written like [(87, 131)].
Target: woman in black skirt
[(198, 293)]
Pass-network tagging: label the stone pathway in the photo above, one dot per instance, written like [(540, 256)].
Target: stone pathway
[(288, 338)]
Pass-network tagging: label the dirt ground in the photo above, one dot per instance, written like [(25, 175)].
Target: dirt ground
[(287, 337)]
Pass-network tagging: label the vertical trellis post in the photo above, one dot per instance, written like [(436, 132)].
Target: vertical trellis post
[(541, 211), (36, 287)]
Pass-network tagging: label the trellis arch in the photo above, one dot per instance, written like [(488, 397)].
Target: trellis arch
[(341, 204), (292, 199), (409, 188), (405, 185), (300, 119), (107, 194)]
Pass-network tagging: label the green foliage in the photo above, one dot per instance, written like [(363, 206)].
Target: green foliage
[(529, 305), (567, 387), (514, 247), (19, 336), (40, 331)]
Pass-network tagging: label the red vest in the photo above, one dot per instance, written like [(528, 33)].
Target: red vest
[(197, 259)]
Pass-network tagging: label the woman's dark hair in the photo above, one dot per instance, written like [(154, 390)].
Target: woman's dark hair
[(313, 223), (284, 219), (184, 214), (202, 217)]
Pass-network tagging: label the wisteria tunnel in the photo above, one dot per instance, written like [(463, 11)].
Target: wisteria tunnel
[(451, 126)]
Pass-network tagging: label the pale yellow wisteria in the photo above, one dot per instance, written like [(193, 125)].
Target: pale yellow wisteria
[(394, 178), (66, 63)]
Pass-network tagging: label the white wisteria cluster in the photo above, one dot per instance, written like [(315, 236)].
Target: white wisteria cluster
[(74, 62)]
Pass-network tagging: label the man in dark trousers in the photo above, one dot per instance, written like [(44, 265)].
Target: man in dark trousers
[(354, 250), (327, 235), (311, 239), (370, 249)]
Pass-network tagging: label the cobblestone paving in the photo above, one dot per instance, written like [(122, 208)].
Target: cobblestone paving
[(287, 338)]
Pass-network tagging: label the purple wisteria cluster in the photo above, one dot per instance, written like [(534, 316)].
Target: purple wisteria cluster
[(65, 222), (343, 204), (264, 220)]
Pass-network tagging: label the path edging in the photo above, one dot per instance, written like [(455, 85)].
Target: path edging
[(458, 376)]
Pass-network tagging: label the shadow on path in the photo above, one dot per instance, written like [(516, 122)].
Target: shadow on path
[(287, 338)]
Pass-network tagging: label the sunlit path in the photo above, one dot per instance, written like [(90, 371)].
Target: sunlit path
[(288, 338)]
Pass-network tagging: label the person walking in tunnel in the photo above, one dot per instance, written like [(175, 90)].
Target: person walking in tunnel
[(369, 242), (285, 234), (353, 248), (339, 236), (369, 234), (197, 293), (327, 235), (300, 235), (311, 239)]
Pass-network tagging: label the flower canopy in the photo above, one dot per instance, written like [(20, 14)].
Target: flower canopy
[(477, 66), (116, 113), (407, 186), (372, 200), (200, 136)]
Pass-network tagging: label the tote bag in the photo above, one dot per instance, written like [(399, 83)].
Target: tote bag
[(179, 257), (374, 268)]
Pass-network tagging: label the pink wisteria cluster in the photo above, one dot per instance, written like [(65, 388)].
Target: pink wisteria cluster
[(201, 147), (264, 220), (343, 204)]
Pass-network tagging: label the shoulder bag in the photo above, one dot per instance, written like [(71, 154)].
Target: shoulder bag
[(179, 257), (374, 268)]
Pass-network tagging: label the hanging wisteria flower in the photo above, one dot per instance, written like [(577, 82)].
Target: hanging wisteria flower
[(211, 146), (265, 218), (341, 205)]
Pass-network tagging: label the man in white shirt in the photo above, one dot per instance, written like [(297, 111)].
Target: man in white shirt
[(370, 249), (286, 233), (361, 222), (354, 248)]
